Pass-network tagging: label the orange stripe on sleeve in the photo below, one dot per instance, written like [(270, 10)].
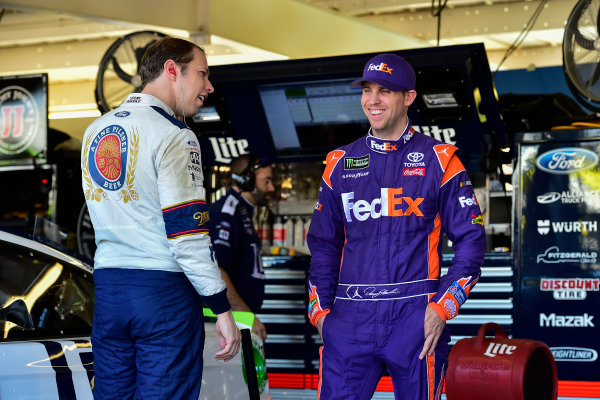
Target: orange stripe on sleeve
[(315, 311), (438, 310), (332, 159), (453, 168), (444, 152), (434, 241)]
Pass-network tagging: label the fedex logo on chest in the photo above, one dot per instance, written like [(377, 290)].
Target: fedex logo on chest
[(387, 146), (391, 203)]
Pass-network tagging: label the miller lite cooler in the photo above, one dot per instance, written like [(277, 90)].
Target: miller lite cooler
[(499, 368)]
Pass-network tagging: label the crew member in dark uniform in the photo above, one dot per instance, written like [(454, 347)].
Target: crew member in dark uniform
[(234, 238)]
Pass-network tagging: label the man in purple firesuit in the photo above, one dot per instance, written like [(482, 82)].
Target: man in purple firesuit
[(375, 290)]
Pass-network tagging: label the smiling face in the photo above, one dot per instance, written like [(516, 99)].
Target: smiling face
[(386, 110), (194, 84)]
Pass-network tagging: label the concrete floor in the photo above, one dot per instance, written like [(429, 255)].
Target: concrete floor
[(308, 394)]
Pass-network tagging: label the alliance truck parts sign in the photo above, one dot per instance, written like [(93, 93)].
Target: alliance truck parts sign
[(23, 118)]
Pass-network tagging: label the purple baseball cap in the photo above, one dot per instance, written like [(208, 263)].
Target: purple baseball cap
[(390, 71)]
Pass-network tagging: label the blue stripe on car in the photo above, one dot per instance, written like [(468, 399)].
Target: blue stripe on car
[(64, 376)]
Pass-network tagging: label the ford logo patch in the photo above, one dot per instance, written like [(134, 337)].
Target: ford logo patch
[(567, 160)]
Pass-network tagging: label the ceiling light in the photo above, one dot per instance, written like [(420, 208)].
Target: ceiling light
[(74, 114)]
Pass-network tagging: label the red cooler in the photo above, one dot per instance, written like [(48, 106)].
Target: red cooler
[(499, 368)]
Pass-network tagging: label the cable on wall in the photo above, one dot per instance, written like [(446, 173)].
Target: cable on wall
[(437, 13), (522, 35)]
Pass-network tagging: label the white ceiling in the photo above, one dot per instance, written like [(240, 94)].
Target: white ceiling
[(67, 38)]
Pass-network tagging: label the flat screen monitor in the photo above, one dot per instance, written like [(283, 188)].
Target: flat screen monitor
[(306, 108), (313, 114)]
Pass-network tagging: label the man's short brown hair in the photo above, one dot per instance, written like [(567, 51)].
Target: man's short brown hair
[(168, 48)]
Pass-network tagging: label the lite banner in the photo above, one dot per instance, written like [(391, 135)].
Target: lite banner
[(23, 118)]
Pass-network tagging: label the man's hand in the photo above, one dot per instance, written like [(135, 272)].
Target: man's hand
[(229, 336), (320, 326), (259, 329), (434, 325)]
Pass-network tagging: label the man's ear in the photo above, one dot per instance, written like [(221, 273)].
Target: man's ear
[(410, 97), (170, 69)]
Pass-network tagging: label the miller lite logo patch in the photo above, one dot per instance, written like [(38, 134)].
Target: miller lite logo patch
[(109, 162), (202, 217), (20, 120), (108, 157)]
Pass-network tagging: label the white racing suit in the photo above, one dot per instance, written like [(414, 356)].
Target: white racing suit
[(142, 179)]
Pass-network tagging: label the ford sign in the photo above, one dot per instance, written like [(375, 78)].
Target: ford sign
[(567, 160)]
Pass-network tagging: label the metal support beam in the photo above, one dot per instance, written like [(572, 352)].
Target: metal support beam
[(188, 15), (300, 30), (498, 20), (530, 58)]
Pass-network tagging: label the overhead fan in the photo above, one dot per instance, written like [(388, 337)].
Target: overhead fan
[(118, 71), (581, 53)]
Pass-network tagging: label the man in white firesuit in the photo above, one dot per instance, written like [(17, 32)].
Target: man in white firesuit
[(154, 265)]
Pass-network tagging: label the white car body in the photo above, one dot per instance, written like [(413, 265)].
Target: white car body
[(56, 362)]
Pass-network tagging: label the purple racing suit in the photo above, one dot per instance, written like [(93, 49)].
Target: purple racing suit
[(376, 245)]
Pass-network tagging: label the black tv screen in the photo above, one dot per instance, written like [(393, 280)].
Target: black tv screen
[(312, 115), (305, 108)]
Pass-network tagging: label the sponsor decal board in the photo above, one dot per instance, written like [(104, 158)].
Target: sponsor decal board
[(557, 251)]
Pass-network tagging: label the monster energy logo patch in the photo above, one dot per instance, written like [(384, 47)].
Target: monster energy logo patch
[(356, 163)]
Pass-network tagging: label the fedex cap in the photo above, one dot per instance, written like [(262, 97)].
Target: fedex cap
[(390, 71)]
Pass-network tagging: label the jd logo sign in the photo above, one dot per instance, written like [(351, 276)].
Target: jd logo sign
[(19, 119)]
